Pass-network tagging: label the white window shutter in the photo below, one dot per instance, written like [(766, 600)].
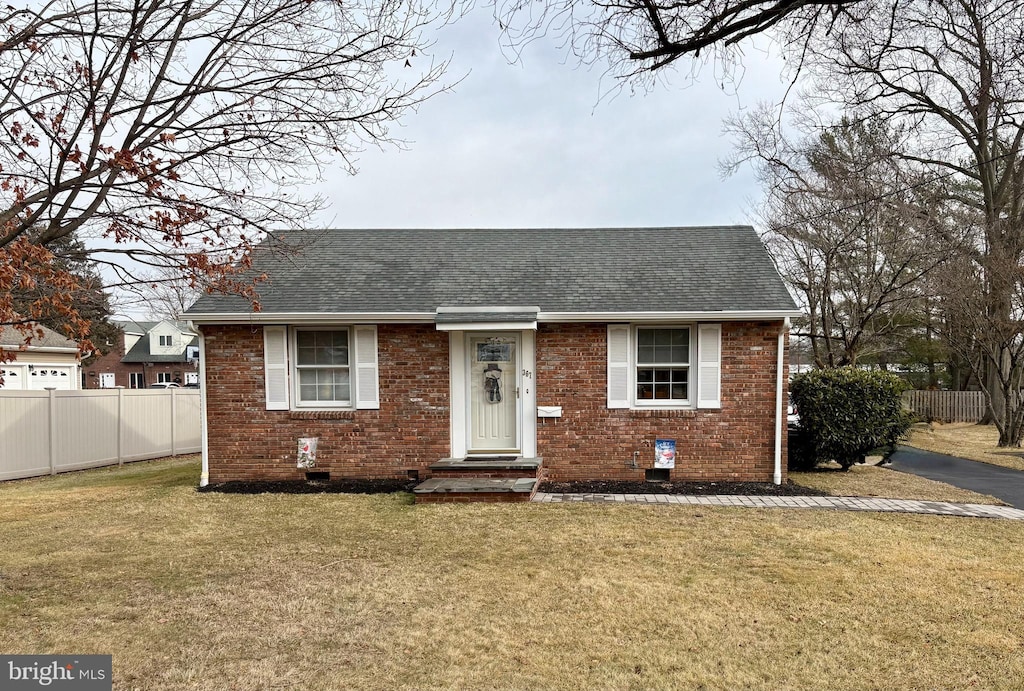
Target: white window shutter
[(709, 365), (618, 366), (275, 366), (367, 386)]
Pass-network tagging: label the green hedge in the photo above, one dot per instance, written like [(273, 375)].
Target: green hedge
[(846, 412)]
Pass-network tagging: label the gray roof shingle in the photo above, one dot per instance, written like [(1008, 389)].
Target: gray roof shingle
[(140, 352), (559, 270), (11, 337)]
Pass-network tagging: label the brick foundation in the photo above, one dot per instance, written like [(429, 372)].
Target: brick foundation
[(411, 429)]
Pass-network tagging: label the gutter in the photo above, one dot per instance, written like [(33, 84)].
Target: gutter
[(39, 349), (314, 318), (780, 411)]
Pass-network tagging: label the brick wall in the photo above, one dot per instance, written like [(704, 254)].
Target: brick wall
[(411, 429), (409, 432), (590, 441)]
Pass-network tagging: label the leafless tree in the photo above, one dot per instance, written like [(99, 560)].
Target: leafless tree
[(167, 292), (990, 341), (185, 128), (853, 229), (952, 73), (638, 38)]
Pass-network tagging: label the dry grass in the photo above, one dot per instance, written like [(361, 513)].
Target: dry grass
[(872, 481), (967, 440), (193, 591)]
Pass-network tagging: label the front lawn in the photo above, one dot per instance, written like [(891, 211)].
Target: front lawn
[(966, 440), (328, 591), (874, 481)]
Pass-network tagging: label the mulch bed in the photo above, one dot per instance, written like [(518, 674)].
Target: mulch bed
[(353, 486), (694, 488), (313, 487)]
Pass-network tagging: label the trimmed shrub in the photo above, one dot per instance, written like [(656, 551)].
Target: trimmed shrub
[(846, 412)]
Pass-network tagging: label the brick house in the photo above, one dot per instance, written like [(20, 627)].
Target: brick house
[(501, 356), (147, 352)]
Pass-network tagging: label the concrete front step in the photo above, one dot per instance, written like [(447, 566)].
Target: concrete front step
[(467, 489), (495, 463), (487, 468)]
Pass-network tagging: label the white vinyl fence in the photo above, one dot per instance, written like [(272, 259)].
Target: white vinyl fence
[(47, 432), (946, 406)]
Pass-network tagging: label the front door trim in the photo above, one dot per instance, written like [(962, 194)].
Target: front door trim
[(458, 368)]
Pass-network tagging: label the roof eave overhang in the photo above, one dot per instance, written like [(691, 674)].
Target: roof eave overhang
[(669, 316), (259, 318), (40, 349), (312, 318), (488, 326)]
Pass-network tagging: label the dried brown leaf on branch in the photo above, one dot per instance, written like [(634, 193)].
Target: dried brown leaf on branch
[(179, 133)]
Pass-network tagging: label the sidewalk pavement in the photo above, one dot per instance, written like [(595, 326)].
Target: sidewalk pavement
[(936, 508)]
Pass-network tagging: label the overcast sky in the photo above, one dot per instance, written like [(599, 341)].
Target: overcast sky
[(543, 143), (535, 145)]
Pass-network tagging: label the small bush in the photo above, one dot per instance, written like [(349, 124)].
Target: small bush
[(846, 412)]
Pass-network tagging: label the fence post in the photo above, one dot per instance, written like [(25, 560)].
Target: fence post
[(53, 430), (120, 428), (174, 420)]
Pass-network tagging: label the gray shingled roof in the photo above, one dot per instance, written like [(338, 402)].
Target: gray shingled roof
[(140, 352), (133, 326), (563, 270), (11, 337)]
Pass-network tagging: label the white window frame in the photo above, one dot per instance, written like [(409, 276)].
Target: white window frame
[(169, 338), (634, 364), (164, 378), (138, 378), (294, 368)]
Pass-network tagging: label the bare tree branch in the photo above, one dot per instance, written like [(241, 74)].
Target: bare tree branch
[(187, 128)]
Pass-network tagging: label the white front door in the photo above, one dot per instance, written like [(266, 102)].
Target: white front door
[(107, 380), (494, 410)]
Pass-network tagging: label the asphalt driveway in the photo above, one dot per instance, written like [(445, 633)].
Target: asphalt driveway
[(1003, 483)]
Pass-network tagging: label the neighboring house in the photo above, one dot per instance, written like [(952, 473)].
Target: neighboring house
[(407, 352), (50, 362), (146, 353)]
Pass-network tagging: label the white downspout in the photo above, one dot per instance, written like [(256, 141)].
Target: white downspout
[(780, 411), (204, 477)]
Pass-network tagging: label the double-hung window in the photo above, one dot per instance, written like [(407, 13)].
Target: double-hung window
[(322, 372), (662, 365)]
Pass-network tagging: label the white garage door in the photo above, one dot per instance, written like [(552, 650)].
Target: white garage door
[(14, 378), (50, 378)]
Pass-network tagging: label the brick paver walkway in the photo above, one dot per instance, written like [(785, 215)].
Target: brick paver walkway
[(940, 508)]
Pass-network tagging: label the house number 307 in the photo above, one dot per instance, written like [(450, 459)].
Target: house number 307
[(527, 374)]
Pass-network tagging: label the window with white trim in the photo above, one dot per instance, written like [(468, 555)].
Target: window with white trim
[(166, 340), (664, 365), (136, 380), (662, 361), (322, 375), (163, 377)]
